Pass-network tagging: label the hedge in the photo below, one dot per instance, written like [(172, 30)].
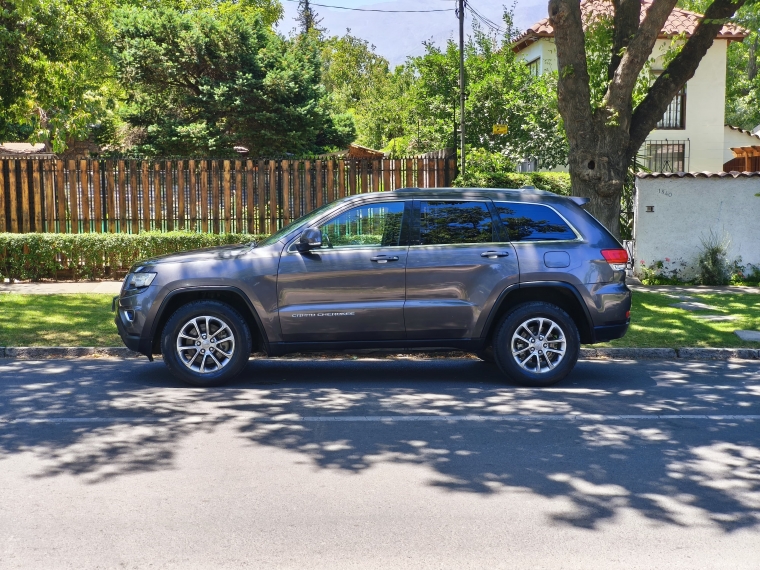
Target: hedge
[(89, 256)]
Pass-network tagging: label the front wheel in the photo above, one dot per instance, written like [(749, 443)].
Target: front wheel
[(537, 344), (206, 343)]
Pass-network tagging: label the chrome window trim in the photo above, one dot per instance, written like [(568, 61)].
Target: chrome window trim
[(578, 236)]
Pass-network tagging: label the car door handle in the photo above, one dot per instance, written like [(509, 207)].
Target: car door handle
[(384, 258), (494, 254)]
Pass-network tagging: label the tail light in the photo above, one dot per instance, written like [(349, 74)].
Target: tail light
[(617, 258)]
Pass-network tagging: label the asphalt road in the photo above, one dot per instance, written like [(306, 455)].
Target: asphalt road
[(380, 464)]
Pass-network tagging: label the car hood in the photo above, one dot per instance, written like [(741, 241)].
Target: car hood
[(206, 254)]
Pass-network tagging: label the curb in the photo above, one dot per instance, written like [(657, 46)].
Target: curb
[(45, 352), (49, 352)]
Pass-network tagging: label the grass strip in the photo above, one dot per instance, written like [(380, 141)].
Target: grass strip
[(57, 320), (87, 320), (655, 324)]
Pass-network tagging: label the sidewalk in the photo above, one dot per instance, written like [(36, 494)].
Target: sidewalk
[(636, 285), (57, 288)]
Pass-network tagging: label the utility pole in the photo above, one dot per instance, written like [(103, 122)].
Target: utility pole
[(461, 81)]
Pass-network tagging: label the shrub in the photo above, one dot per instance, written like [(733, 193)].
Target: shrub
[(493, 170), (661, 272), (713, 267), (42, 256)]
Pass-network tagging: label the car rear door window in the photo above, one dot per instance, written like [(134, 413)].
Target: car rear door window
[(533, 222), (453, 222)]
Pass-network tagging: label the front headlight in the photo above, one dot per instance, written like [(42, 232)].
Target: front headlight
[(139, 280)]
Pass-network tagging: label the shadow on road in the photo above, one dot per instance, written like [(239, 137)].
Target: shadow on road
[(667, 470)]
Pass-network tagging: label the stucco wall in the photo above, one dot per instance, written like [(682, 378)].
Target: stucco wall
[(686, 209), (705, 109), (734, 138)]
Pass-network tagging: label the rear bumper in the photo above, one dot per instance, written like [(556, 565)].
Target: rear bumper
[(610, 332)]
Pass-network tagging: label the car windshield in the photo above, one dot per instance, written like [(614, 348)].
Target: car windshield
[(301, 222)]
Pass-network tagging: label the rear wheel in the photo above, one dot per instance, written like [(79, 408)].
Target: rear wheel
[(206, 343), (537, 344)]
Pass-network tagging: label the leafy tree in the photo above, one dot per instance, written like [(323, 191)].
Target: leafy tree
[(415, 108), (307, 17), (206, 79), (55, 75), (604, 135)]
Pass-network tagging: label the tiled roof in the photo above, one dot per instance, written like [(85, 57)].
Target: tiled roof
[(733, 174), (746, 132), (680, 21)]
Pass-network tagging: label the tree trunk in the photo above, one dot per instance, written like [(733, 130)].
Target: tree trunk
[(752, 63), (598, 165)]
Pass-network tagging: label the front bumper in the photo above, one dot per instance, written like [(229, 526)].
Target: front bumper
[(132, 342)]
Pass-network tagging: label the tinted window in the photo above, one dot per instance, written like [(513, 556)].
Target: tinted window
[(532, 222), (455, 222), (368, 225)]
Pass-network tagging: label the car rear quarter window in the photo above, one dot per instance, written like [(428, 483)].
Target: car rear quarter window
[(533, 222), (452, 222)]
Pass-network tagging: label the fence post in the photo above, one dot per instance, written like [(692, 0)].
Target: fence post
[(193, 196), (227, 181), (250, 197), (273, 213), (318, 171), (341, 178), (2, 197), (181, 207), (169, 193), (145, 195), (261, 195), (297, 188), (60, 188), (37, 190), (204, 196), (285, 165), (84, 182), (238, 197), (121, 189)]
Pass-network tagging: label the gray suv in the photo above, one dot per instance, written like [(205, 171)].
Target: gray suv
[(520, 277)]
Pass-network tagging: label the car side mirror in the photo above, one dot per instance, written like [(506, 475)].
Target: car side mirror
[(311, 238)]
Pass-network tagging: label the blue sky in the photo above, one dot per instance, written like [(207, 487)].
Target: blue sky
[(397, 36)]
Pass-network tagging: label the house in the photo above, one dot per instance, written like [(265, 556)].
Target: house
[(692, 135)]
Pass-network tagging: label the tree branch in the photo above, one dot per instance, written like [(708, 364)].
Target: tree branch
[(573, 94), (625, 23), (678, 72), (620, 91)]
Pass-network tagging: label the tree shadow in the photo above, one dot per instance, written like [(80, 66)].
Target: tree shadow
[(103, 419)]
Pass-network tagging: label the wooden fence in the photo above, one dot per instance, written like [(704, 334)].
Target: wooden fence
[(254, 196)]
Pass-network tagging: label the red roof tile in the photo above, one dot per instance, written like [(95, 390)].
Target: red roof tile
[(680, 21)]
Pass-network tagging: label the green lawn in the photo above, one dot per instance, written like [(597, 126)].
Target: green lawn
[(655, 324), (86, 320), (57, 320)]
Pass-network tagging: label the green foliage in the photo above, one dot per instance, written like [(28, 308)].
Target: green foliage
[(661, 272), (55, 75), (41, 256), (713, 267), (207, 79), (598, 41), (494, 170), (415, 108)]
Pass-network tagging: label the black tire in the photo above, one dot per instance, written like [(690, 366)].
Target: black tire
[(486, 355), (225, 352), (524, 332)]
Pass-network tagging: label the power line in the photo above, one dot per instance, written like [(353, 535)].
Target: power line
[(377, 10), (485, 21)]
